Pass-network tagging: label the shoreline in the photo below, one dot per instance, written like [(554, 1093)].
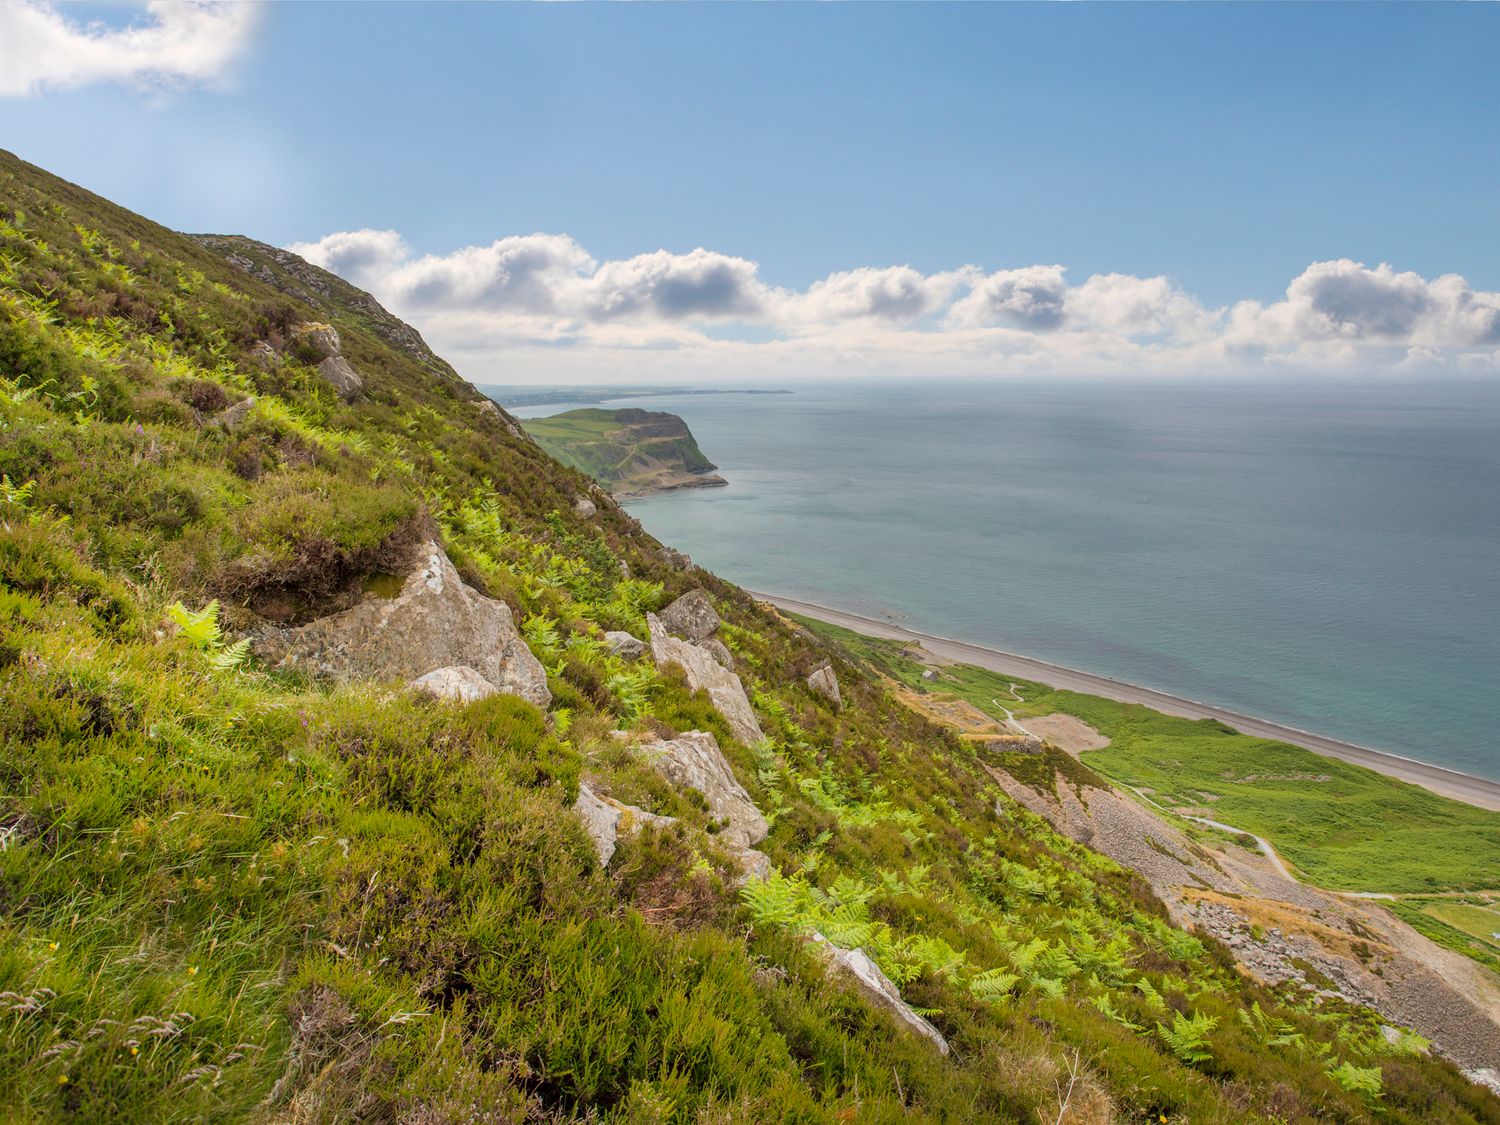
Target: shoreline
[(1477, 791)]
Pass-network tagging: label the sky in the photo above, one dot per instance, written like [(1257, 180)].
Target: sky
[(690, 192)]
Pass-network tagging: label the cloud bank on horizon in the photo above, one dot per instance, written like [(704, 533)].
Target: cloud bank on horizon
[(180, 42), (541, 306)]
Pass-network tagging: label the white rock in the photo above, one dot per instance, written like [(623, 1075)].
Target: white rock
[(694, 761), (458, 682), (878, 989), (624, 644), (585, 507), (756, 865), (691, 616), (704, 672), (607, 820), (341, 376), (434, 622), (826, 684), (322, 338)]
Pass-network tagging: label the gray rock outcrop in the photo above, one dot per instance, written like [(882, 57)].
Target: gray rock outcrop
[(720, 652), (624, 644), (323, 339), (876, 987), (435, 622), (341, 376), (607, 820), (706, 673), (690, 617), (458, 682), (233, 416), (585, 507), (826, 684), (694, 761)]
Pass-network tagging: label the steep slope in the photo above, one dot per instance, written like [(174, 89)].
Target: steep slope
[(301, 891), (632, 452)]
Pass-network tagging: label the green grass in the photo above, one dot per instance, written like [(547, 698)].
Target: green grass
[(1477, 921)]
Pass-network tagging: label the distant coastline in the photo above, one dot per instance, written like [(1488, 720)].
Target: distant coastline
[(1478, 791), (526, 396)]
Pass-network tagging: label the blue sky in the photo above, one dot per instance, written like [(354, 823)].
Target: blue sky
[(1224, 148)]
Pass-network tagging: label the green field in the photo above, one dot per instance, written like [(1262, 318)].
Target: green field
[(1480, 922), (1340, 825)]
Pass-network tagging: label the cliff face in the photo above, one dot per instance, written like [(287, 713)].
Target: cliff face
[(279, 882), (630, 451)]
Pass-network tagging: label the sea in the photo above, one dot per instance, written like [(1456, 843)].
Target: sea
[(1323, 555)]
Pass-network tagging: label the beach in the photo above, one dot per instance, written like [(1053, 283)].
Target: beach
[(1449, 783)]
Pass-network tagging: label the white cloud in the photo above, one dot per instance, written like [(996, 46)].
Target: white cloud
[(673, 287), (897, 294), (1030, 298), (179, 42), (541, 305)]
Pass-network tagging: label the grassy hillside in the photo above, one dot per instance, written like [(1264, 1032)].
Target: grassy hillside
[(232, 892), (630, 451)]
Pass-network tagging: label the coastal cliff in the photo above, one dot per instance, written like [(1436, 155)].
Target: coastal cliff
[(630, 451)]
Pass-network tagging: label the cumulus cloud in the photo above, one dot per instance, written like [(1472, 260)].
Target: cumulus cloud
[(1030, 298), (521, 298), (178, 43), (895, 293)]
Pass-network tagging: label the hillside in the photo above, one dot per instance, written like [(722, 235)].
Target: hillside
[(632, 452), (248, 872)]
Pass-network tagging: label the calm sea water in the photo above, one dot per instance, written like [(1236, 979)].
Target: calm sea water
[(1327, 557)]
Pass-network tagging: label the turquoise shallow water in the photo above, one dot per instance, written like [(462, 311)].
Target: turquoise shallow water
[(1324, 556)]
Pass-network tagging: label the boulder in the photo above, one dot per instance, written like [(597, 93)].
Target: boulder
[(826, 684), (694, 761), (607, 820), (675, 558), (458, 682), (435, 622), (875, 986), (704, 672), (624, 644), (756, 865), (339, 375), (584, 507), (720, 652), (323, 339), (690, 617), (232, 416)]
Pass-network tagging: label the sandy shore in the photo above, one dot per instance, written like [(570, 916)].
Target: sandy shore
[(1450, 783)]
